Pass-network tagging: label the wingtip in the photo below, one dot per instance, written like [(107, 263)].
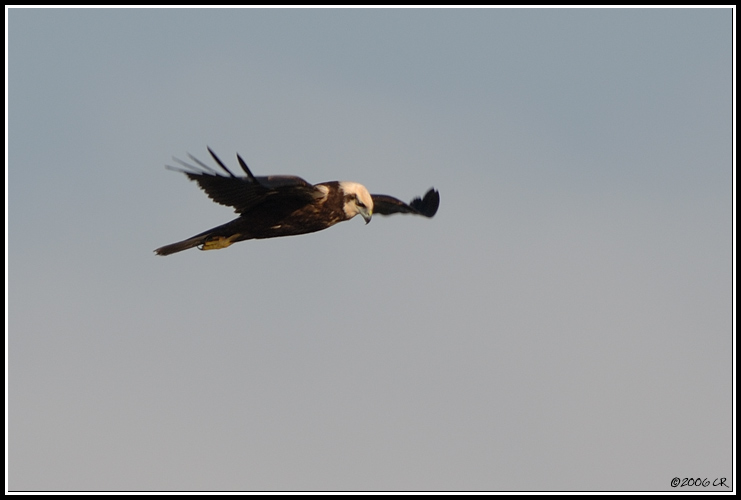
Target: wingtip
[(219, 162), (429, 204), (246, 169)]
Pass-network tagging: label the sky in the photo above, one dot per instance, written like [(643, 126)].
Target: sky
[(564, 323)]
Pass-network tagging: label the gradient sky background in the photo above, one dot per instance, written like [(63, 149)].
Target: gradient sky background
[(563, 323)]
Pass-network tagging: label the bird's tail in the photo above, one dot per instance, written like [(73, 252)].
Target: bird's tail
[(182, 245), (213, 239)]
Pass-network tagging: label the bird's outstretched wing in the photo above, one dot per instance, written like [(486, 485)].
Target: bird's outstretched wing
[(244, 193), (388, 205)]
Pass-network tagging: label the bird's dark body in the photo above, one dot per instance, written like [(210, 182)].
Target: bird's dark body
[(276, 217), (275, 206)]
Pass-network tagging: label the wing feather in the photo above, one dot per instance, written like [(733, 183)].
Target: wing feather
[(388, 205), (244, 193)]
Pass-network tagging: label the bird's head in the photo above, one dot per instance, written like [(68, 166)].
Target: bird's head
[(357, 200)]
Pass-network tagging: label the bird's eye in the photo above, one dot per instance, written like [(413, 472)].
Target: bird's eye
[(358, 202)]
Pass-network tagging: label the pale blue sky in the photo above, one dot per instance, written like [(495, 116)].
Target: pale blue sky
[(563, 323)]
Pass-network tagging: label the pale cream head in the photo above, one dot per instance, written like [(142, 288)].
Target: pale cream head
[(357, 200)]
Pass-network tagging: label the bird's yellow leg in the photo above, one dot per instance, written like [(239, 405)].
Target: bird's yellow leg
[(219, 242)]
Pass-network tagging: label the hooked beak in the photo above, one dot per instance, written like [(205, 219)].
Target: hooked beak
[(367, 214)]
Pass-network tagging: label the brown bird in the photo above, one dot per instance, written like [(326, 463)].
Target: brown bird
[(285, 205)]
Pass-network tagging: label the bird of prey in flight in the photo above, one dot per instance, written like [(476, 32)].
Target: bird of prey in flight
[(284, 205)]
